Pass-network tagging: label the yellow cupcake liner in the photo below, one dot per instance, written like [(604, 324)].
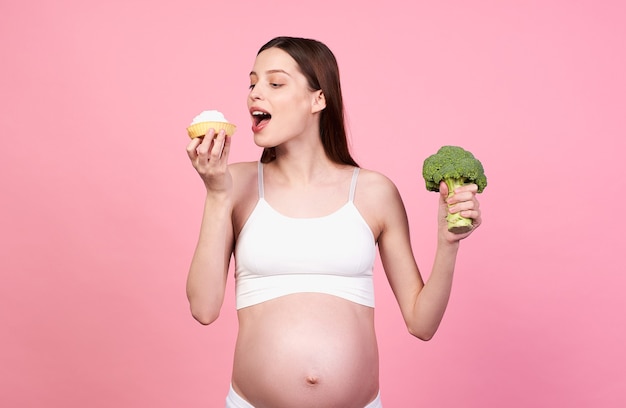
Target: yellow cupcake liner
[(201, 129)]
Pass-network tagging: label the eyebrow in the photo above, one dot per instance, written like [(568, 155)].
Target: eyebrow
[(272, 71)]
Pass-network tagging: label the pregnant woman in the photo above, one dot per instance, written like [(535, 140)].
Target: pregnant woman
[(304, 223)]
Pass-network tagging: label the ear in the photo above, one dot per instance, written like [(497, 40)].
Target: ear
[(319, 101)]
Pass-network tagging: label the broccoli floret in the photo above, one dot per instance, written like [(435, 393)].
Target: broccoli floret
[(456, 166)]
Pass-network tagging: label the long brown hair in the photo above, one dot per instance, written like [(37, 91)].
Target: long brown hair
[(319, 66)]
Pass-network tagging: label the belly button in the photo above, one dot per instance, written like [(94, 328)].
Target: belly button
[(311, 380)]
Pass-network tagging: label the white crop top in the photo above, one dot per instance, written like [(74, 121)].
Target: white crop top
[(276, 255)]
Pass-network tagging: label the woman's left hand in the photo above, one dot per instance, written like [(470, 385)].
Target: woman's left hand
[(463, 201)]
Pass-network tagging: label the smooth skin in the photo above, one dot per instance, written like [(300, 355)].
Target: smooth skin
[(310, 349)]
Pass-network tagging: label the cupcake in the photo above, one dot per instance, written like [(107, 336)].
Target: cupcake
[(210, 119)]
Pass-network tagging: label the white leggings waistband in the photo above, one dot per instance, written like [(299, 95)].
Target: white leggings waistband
[(234, 400)]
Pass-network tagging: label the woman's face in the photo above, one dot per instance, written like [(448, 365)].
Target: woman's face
[(282, 106)]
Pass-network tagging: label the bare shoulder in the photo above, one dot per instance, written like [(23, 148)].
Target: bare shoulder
[(241, 169), (376, 186), (378, 200), (244, 176), (242, 173)]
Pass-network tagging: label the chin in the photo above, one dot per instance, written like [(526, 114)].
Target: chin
[(258, 140)]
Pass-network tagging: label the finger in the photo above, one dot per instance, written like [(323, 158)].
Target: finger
[(203, 148), (474, 215), (470, 205), (462, 194), (472, 188), (443, 189), (218, 145), (226, 148), (192, 146)]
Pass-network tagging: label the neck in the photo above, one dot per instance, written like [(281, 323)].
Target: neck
[(302, 160), (302, 170)]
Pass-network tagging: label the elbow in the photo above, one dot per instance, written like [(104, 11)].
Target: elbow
[(204, 316), (205, 312), (421, 333), (204, 308)]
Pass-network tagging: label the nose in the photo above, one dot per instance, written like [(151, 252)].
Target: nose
[(255, 94)]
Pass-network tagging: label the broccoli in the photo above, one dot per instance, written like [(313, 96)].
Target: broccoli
[(456, 166)]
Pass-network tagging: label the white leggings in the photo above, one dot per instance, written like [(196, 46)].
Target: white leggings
[(234, 400)]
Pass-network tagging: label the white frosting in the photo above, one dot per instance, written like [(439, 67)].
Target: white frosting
[(209, 116)]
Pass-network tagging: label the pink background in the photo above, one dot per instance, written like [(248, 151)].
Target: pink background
[(100, 208)]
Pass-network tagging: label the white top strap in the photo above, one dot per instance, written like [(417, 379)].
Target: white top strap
[(355, 175), (261, 192)]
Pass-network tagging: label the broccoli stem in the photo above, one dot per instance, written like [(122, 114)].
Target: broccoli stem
[(457, 224)]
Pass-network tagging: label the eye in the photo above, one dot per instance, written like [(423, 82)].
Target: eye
[(251, 86), (275, 85)]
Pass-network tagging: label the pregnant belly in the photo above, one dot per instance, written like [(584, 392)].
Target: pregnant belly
[(306, 350)]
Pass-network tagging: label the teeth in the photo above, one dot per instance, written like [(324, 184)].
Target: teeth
[(258, 113)]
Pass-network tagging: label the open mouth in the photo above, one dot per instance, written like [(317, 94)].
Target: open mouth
[(260, 118)]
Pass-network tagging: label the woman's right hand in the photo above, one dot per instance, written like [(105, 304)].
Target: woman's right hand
[(209, 156)]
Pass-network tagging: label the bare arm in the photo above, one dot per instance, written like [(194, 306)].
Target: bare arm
[(422, 305), (206, 281)]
